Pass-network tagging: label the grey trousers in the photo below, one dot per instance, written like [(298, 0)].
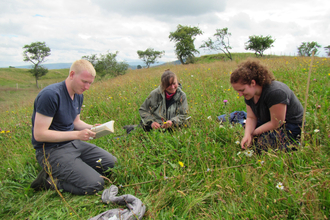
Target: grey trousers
[(76, 166)]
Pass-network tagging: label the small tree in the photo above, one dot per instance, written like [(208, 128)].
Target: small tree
[(328, 52), (259, 44), (184, 38), (107, 64), (149, 56), (307, 48), (221, 43), (139, 67), (36, 53), (38, 72)]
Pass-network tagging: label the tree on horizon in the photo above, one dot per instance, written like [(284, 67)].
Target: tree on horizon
[(36, 53), (184, 37)]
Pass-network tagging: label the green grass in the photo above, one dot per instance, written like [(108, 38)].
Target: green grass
[(18, 86), (215, 183)]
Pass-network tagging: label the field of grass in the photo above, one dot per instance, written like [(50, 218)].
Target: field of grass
[(216, 181), (18, 86)]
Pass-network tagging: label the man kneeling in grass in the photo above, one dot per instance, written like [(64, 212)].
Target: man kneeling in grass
[(58, 136)]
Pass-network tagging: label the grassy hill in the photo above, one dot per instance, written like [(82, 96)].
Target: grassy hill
[(18, 86), (216, 180)]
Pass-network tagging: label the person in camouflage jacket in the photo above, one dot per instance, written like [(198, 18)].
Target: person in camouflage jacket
[(166, 106)]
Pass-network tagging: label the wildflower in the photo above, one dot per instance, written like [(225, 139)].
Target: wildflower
[(280, 186), (221, 126), (318, 107), (99, 160), (225, 101), (165, 177), (181, 164), (192, 75), (249, 153), (316, 130), (237, 142), (7, 131), (83, 106), (210, 118), (261, 162), (239, 153), (208, 170)]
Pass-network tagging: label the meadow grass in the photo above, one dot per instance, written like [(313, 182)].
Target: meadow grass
[(215, 181)]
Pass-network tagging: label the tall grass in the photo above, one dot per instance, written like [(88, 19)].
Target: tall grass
[(215, 182)]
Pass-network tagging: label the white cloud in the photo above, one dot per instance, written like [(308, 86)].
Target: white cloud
[(76, 28)]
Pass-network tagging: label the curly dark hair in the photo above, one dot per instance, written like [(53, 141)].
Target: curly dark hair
[(166, 78), (252, 69)]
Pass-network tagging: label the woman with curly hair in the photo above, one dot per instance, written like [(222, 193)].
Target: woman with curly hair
[(274, 113)]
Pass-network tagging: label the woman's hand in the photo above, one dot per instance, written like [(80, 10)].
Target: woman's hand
[(155, 125), (246, 141), (167, 124)]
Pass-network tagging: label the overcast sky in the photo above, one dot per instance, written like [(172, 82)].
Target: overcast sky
[(73, 28)]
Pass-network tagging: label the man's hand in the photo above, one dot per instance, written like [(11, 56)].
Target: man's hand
[(86, 135)]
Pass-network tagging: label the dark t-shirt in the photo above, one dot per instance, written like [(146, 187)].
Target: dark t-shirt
[(54, 101), (276, 93)]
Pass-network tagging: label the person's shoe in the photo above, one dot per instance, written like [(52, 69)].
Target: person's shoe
[(41, 181), (51, 184), (129, 128)]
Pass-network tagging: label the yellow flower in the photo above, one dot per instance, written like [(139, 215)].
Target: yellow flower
[(2, 132), (7, 131), (181, 164), (99, 160)]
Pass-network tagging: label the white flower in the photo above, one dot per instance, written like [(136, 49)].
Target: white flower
[(83, 106), (210, 118), (237, 142), (239, 153), (316, 130), (221, 126), (208, 169), (249, 153), (261, 162), (99, 160), (192, 75), (280, 186)]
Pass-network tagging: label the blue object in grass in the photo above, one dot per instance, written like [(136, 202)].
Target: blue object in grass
[(234, 117)]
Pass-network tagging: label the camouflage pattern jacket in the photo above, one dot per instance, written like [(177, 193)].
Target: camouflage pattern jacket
[(154, 108)]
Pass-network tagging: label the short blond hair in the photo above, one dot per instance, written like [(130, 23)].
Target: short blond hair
[(80, 65)]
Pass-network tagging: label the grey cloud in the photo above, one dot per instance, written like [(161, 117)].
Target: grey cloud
[(168, 8), (242, 21)]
